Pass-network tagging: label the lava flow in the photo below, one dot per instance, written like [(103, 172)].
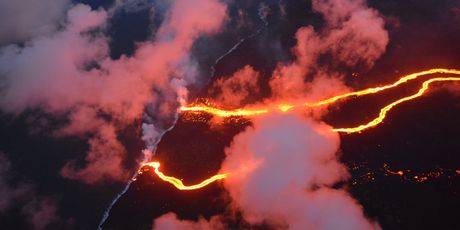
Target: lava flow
[(359, 128), (286, 107), (178, 183), (373, 90), (223, 113), (387, 108)]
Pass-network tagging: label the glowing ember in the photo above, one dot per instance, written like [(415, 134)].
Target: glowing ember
[(409, 175), (178, 183), (399, 173)]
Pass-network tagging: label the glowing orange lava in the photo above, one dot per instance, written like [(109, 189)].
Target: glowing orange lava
[(373, 90), (285, 107), (223, 113), (384, 110), (178, 183), (359, 128)]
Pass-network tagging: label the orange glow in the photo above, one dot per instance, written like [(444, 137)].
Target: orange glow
[(399, 173), (384, 110), (420, 178), (359, 128), (221, 112), (178, 183), (367, 91), (285, 107), (409, 175)]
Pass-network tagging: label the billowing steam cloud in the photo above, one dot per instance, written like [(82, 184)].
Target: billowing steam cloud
[(233, 91), (283, 169), (352, 34), (22, 20), (69, 72)]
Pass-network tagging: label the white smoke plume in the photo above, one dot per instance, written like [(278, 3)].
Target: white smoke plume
[(25, 19), (353, 34), (282, 172), (69, 72)]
